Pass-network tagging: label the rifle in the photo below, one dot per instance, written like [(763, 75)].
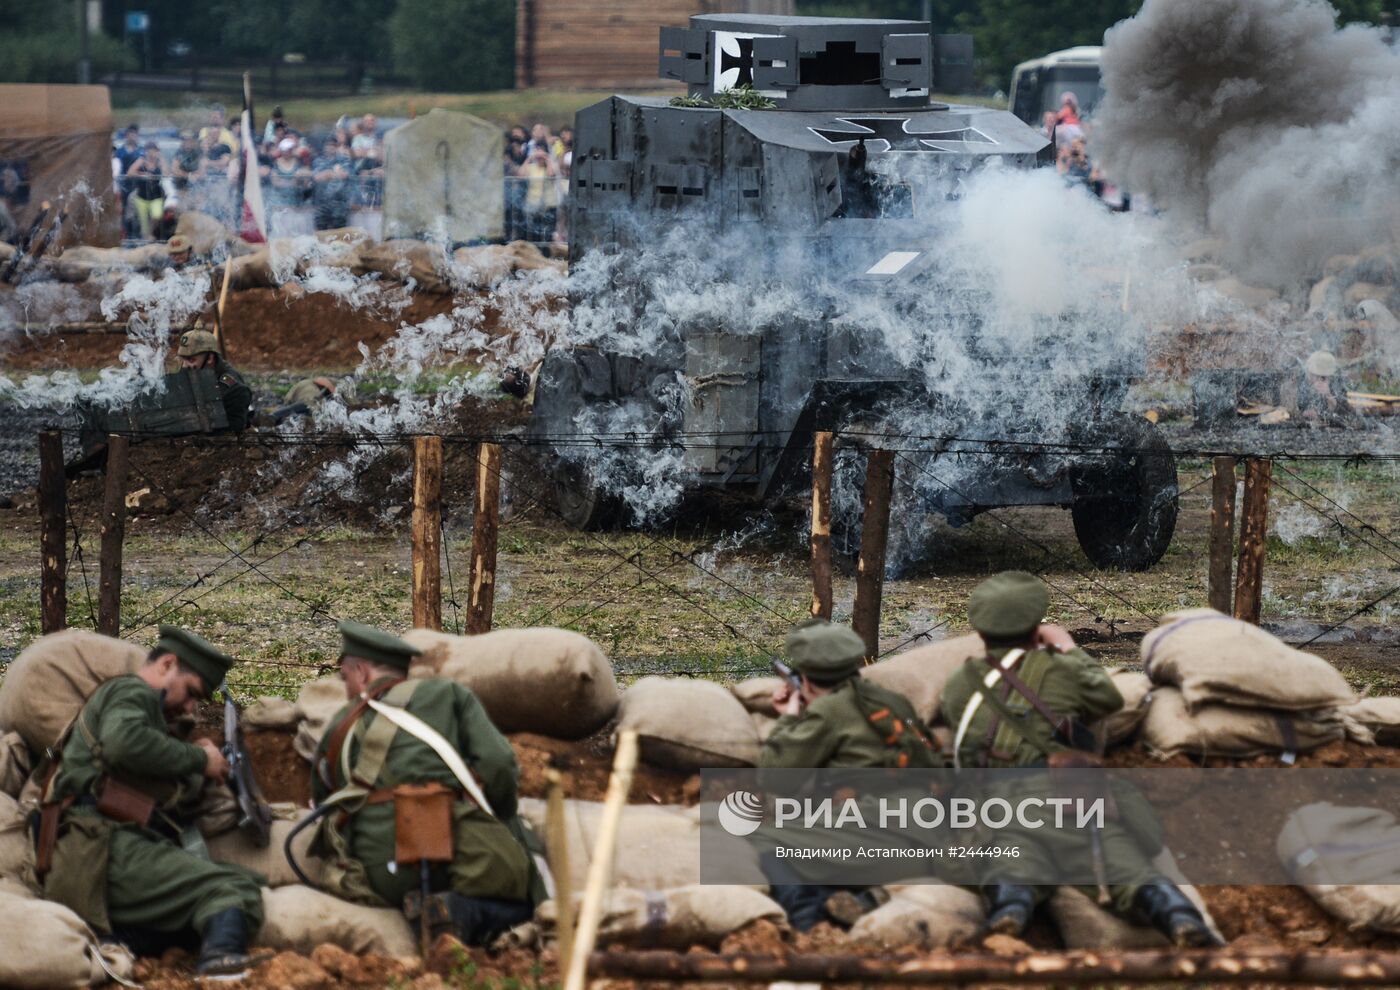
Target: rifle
[(254, 816), (793, 678)]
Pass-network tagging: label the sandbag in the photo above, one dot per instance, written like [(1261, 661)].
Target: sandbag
[(299, 918), (685, 723), (1322, 844), (205, 233), (1085, 925), (252, 271), (46, 946), (405, 260), (756, 695), (317, 703), (1228, 730), (16, 763), (271, 714), (232, 847), (16, 847), (1380, 715), (919, 674), (549, 681), (1122, 725), (676, 918), (930, 916), (1214, 658), (658, 845), (46, 685)]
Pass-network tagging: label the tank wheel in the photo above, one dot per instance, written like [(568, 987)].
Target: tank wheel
[(1125, 508), (582, 502)]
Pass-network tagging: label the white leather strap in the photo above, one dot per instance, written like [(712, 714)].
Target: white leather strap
[(426, 734), (975, 702)]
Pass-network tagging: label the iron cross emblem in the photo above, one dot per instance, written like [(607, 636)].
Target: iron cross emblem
[(883, 134)]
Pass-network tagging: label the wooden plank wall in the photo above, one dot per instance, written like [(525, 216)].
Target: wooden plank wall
[(606, 44)]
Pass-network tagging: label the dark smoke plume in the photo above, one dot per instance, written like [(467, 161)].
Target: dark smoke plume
[(1259, 121)]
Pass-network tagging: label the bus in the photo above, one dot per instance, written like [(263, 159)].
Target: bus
[(1038, 85)]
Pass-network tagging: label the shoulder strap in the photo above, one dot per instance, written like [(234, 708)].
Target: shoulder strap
[(1060, 723), (336, 747), (374, 746), (426, 734), (980, 687)]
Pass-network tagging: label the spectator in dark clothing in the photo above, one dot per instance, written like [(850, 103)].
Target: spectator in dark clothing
[(331, 192), (125, 155), (147, 192), (188, 165), (515, 185)]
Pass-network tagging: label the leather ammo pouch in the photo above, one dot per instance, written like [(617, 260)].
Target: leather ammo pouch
[(423, 823), (123, 803), (50, 817)]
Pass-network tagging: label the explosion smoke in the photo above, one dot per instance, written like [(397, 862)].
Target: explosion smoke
[(1259, 121)]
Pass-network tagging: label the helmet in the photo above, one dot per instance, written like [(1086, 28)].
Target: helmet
[(197, 341), (178, 244)]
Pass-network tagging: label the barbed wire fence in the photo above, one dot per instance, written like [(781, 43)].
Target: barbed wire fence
[(751, 625)]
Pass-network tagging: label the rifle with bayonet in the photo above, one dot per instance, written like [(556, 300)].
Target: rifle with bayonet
[(254, 816)]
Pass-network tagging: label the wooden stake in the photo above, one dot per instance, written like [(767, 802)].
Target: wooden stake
[(1201, 967), (109, 603), (556, 841), (53, 525), (219, 310), (1249, 578), (874, 534), (427, 532), (481, 578), (600, 869), (1222, 533), (822, 452)]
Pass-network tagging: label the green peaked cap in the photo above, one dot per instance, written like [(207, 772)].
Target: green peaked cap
[(824, 650), (197, 653), (375, 645)]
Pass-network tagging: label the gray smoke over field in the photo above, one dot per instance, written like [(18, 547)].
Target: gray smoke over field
[(1259, 121)]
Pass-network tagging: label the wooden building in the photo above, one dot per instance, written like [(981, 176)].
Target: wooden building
[(607, 44)]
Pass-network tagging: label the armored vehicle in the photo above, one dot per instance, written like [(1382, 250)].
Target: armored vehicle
[(838, 195)]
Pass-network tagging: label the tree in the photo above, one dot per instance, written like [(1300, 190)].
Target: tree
[(455, 45), (40, 44)]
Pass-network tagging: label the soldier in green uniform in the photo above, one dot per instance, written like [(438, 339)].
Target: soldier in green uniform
[(199, 348), (373, 763), (115, 839), (836, 719), (1024, 702), (304, 398)]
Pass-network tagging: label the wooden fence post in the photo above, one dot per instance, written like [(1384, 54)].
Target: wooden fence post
[(481, 577), (1222, 533), (109, 602), (874, 534), (427, 532), (822, 451), (1249, 578), (53, 525)]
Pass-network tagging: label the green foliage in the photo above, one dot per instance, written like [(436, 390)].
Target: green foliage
[(39, 44), (739, 98), (458, 46)]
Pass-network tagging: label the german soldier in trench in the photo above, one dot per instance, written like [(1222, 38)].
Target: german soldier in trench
[(418, 794), (836, 719), (199, 348), (1025, 704), (114, 833)]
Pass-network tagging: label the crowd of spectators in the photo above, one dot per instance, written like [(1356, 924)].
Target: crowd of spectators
[(1070, 132), (537, 164), (332, 174)]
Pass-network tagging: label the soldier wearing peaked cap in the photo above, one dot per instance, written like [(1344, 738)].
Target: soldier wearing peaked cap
[(426, 789), (115, 835), (832, 717), (1025, 704), (198, 348)]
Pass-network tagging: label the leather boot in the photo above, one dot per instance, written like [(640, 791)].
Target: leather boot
[(473, 920), (1168, 910), (804, 903), (1009, 908), (224, 952)]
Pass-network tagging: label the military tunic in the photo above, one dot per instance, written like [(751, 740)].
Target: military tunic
[(1070, 684), (119, 875), (836, 730), (491, 857), (235, 393)]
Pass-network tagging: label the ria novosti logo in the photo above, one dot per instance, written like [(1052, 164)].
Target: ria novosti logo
[(741, 813)]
